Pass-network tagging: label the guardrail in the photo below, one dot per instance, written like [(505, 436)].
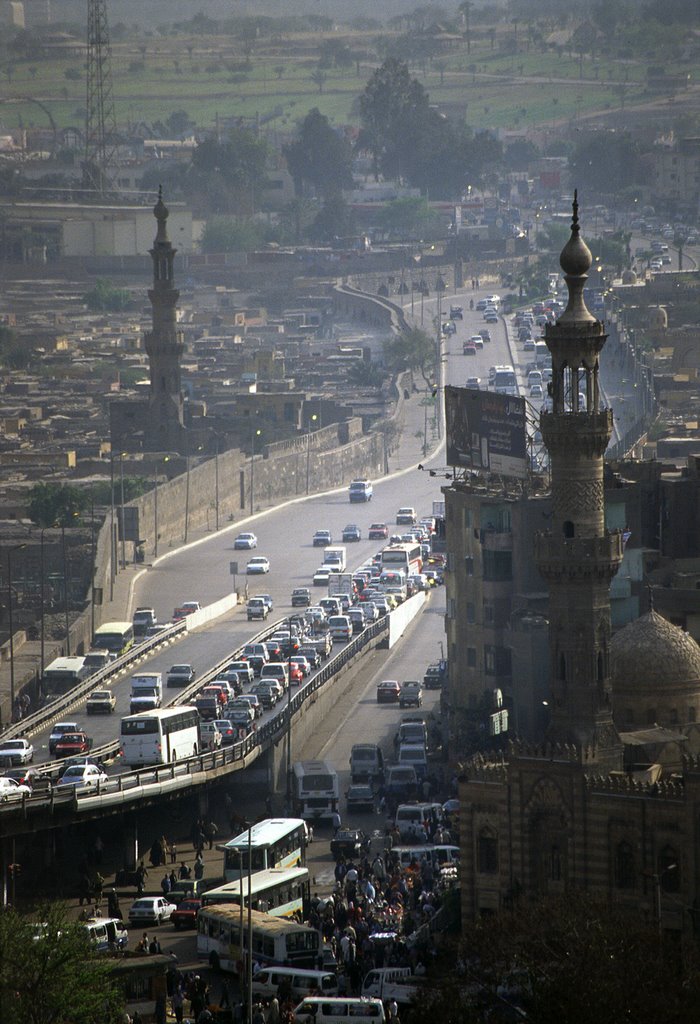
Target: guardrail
[(178, 775), (53, 711)]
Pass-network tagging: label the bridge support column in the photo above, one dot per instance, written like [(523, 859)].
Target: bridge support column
[(130, 835)]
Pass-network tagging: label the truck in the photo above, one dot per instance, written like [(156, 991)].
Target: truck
[(335, 556), (341, 583), (360, 490), (257, 608), (146, 692)]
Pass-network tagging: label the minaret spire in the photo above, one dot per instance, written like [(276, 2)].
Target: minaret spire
[(164, 343), (578, 557)]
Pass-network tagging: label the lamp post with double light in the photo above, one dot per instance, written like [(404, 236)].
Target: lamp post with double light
[(253, 434), (10, 552), (312, 423), (155, 506)]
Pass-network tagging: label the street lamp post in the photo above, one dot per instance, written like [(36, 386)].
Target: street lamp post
[(253, 434), (123, 524), (216, 481), (17, 547), (112, 545), (308, 449), (155, 506), (41, 598), (65, 587)]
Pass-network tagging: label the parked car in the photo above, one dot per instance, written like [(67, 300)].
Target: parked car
[(17, 751), (245, 541), (101, 702), (150, 910)]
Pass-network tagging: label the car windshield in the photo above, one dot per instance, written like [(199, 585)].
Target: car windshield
[(76, 772)]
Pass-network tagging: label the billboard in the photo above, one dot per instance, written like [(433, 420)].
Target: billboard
[(486, 431)]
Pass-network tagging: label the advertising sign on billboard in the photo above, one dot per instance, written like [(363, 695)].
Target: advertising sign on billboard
[(486, 431)]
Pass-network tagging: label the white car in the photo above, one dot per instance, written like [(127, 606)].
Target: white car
[(150, 909), (10, 789), (245, 541), (258, 565), (80, 775), (16, 752)]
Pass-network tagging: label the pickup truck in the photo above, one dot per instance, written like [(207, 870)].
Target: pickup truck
[(323, 642), (257, 608), (101, 702)]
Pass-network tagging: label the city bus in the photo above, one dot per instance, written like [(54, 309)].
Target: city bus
[(275, 939), (281, 892), (115, 637), (405, 557), (160, 736), (274, 843), (315, 789)]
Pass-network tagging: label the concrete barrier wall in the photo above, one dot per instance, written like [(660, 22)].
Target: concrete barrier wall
[(212, 611), (402, 616)]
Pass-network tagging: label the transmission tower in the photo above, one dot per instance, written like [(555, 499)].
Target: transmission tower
[(100, 121)]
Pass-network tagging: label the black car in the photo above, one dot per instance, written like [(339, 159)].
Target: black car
[(351, 533), (434, 677), (359, 796), (350, 843)]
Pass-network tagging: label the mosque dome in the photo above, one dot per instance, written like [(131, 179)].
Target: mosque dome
[(629, 277), (658, 318), (652, 653)]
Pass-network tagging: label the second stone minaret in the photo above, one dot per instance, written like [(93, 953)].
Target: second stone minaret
[(578, 557), (164, 345)]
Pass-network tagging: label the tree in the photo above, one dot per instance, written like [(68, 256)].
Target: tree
[(50, 975), (319, 156), (606, 162), (15, 353), (414, 350), (230, 234), (104, 297), (391, 100), (335, 219), (570, 958), (52, 504), (319, 78)]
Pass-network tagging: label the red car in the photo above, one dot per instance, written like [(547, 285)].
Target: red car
[(72, 744), (185, 916), (378, 531)]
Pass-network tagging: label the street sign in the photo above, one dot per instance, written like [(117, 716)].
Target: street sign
[(233, 568)]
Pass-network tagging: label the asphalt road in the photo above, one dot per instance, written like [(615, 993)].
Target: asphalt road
[(201, 570)]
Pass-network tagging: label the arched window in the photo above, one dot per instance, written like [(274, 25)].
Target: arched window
[(668, 868), (624, 866), (487, 852), (555, 863), (568, 529)]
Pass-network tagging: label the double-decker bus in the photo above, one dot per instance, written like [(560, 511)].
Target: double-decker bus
[(405, 557), (275, 939), (274, 843), (115, 637), (315, 789), (160, 736), (282, 892)]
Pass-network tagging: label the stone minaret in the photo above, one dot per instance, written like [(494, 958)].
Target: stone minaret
[(578, 557), (164, 345)]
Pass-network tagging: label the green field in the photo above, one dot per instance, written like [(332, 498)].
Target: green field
[(275, 83)]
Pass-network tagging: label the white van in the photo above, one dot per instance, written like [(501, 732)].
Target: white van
[(392, 983), (441, 856), (318, 1010), (340, 627), (266, 982), (410, 814), (106, 934)]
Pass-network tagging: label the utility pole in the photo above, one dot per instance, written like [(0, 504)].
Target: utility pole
[(100, 119)]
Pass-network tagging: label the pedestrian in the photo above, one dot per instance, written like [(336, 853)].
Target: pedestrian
[(199, 868), (335, 821), (141, 876), (143, 944), (211, 831), (173, 853), (185, 873), (165, 884), (173, 879), (177, 1003), (154, 946), (113, 908)]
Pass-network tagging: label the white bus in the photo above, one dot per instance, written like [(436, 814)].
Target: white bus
[(406, 558), (315, 789), (159, 737), (505, 381), (275, 940), (274, 843), (281, 892), (115, 637)]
